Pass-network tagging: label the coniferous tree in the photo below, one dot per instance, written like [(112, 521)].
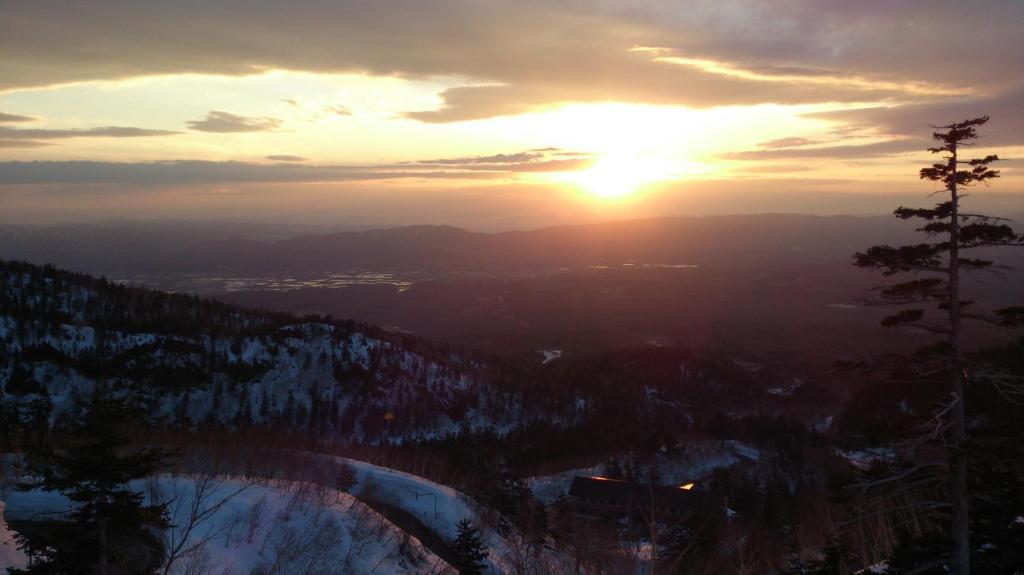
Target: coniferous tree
[(937, 266), (264, 406), (94, 472), (37, 421), (470, 552), (243, 417), (288, 414), (218, 391)]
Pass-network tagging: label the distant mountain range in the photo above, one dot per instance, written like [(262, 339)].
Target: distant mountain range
[(767, 284), (161, 247)]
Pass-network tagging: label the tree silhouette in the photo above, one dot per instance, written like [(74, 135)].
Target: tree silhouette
[(470, 552), (953, 232), (95, 473)]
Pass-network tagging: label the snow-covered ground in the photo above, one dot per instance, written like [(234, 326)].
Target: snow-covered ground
[(272, 528), (439, 508), (550, 488), (436, 506), (864, 459), (876, 569)]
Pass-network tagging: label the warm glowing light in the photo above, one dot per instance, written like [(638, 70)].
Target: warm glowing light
[(686, 486), (619, 174)]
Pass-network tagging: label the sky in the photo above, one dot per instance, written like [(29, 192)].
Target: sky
[(494, 115)]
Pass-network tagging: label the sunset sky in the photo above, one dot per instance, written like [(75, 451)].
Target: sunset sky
[(493, 115)]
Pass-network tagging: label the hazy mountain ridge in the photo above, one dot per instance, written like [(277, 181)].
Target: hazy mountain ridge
[(763, 239)]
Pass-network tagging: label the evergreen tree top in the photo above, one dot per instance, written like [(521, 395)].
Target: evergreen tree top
[(469, 549)]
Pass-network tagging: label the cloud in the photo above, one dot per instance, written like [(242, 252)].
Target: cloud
[(789, 143), (536, 160), (15, 143), (479, 102), (339, 110), (285, 158), (99, 132), (521, 56), (1006, 127), (226, 122), (191, 172), (30, 137), (766, 73), (517, 158), (558, 165), (850, 151), (908, 128), (9, 118), (760, 168), (637, 78)]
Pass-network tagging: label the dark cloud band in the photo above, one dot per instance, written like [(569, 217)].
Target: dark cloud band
[(521, 55)]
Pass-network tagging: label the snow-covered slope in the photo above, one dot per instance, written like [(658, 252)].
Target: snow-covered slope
[(439, 508), (273, 528)]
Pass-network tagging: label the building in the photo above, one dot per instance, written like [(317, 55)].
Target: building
[(605, 496)]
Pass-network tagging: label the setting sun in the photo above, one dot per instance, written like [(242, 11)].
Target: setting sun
[(616, 175)]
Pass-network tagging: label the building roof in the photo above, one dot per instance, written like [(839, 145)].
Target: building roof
[(605, 491)]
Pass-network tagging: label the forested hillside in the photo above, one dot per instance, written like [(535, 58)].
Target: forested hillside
[(198, 363), (194, 361)]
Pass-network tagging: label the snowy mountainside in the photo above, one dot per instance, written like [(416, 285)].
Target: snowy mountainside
[(201, 362)]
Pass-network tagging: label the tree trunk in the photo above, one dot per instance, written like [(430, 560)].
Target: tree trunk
[(102, 569), (958, 457)]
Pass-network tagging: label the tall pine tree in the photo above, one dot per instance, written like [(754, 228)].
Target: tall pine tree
[(937, 266)]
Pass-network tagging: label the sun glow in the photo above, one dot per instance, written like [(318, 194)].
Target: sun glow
[(618, 174)]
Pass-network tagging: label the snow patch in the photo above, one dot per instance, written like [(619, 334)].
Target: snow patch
[(550, 355), (864, 459)]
